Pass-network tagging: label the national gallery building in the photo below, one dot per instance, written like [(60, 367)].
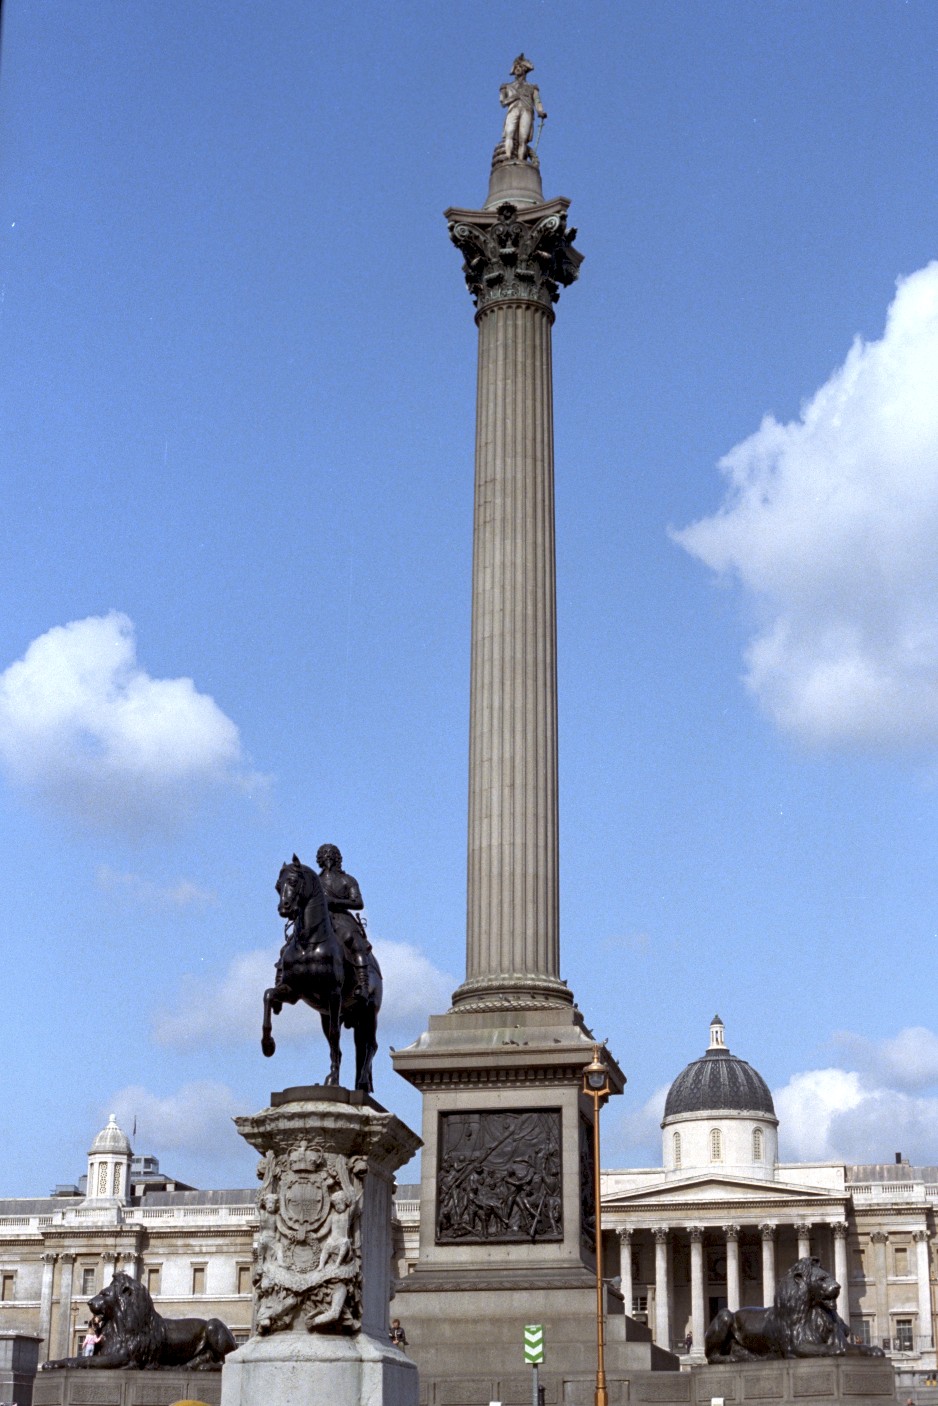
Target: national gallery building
[(714, 1226)]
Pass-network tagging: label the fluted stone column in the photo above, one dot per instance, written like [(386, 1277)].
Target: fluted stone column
[(625, 1267), (662, 1289), (516, 259), (923, 1270), (732, 1266), (883, 1326), (803, 1228), (698, 1325), (65, 1305), (841, 1272), (768, 1263), (45, 1303)]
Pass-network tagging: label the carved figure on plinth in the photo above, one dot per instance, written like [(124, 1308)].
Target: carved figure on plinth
[(499, 1177), (523, 100), (338, 975), (135, 1335), (307, 1256), (803, 1322)]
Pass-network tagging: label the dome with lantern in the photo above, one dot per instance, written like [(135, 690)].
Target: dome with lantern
[(109, 1161), (719, 1116)]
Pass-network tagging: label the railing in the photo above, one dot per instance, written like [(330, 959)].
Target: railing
[(407, 1208), (894, 1190), (15, 1220)]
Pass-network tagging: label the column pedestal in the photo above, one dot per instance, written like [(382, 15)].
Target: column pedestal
[(322, 1258)]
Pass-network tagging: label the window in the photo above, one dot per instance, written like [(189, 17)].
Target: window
[(903, 1335), (153, 1280), (118, 1179), (716, 1145), (859, 1268), (87, 1281), (244, 1278), (757, 1140), (640, 1306), (901, 1260), (198, 1278), (102, 1178), (677, 1149), (861, 1328), (7, 1287)]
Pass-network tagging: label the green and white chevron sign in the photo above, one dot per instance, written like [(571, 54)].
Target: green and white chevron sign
[(534, 1342)]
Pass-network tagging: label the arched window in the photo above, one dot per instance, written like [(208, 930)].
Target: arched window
[(677, 1149), (716, 1145), (757, 1145)]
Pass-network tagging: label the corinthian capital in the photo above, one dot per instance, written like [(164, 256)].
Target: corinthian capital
[(731, 1232), (516, 258), (660, 1232)]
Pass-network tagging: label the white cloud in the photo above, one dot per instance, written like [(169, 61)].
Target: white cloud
[(830, 524), (635, 1140), (228, 1009), (182, 894), (908, 1060), (82, 725), (865, 1114), (195, 1117)]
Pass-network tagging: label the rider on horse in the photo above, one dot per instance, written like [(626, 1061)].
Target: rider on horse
[(345, 899)]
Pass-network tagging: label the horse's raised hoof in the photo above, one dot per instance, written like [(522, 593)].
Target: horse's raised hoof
[(268, 1045)]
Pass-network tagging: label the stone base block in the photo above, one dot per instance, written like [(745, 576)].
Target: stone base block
[(109, 1386), (287, 1368), (855, 1381)]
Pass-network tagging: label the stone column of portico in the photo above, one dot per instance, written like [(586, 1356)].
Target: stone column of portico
[(625, 1267), (732, 1266), (45, 1303), (879, 1239), (662, 1289), (803, 1228), (923, 1270), (698, 1326), (515, 260), (65, 1305), (767, 1232), (839, 1230)]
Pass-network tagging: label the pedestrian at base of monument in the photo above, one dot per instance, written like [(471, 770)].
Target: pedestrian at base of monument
[(89, 1344), (396, 1333)]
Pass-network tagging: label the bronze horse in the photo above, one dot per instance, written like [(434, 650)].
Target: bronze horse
[(314, 967)]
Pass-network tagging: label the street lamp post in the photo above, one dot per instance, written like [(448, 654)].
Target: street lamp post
[(596, 1086)]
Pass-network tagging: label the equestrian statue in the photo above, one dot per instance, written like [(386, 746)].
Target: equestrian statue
[(326, 961)]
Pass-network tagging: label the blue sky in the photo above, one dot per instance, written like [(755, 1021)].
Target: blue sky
[(236, 424)]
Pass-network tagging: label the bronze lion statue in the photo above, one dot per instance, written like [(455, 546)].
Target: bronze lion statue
[(135, 1335), (803, 1322)]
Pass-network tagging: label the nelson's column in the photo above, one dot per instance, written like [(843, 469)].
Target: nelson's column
[(507, 1220)]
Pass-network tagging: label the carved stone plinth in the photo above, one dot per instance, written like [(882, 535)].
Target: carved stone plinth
[(117, 1386), (322, 1256)]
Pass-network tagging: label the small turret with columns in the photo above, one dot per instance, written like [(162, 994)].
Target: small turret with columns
[(109, 1159)]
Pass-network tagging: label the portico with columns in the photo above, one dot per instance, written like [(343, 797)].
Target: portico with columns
[(722, 1220)]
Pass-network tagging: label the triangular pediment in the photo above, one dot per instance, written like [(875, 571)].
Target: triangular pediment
[(708, 1188)]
